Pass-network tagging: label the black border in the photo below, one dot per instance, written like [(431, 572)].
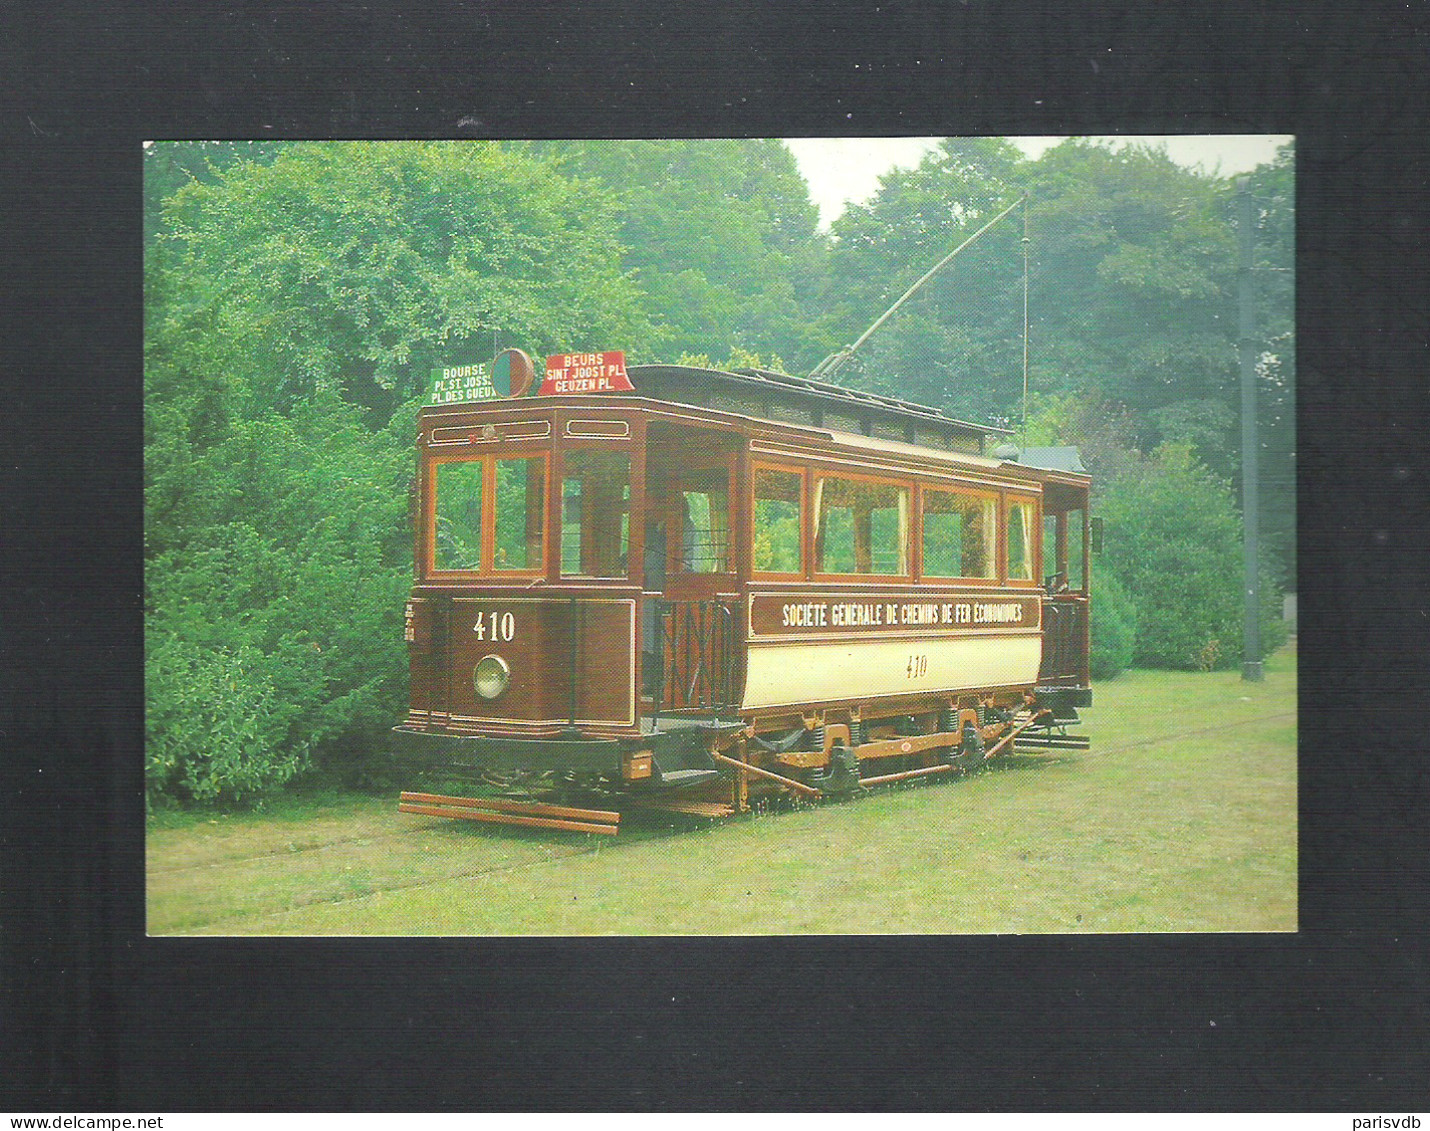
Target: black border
[(100, 1018)]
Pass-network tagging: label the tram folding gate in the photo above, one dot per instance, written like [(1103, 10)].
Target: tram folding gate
[(501, 811)]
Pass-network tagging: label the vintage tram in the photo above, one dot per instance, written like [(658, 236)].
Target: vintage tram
[(691, 589)]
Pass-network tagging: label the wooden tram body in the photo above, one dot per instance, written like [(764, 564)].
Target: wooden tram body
[(722, 585)]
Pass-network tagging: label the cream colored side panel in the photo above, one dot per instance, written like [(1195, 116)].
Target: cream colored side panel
[(784, 674)]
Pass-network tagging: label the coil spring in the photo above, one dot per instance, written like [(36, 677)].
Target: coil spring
[(816, 738)]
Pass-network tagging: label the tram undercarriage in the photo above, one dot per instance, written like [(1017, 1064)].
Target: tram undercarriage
[(715, 768)]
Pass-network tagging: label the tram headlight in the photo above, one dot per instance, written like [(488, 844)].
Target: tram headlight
[(491, 676)]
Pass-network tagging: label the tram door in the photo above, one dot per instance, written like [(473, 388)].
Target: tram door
[(1066, 621), (688, 629)]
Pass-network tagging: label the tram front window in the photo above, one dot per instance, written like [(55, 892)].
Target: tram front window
[(490, 515), (458, 543), (520, 515), (595, 513)]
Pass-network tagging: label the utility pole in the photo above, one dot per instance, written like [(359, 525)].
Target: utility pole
[(1251, 668)]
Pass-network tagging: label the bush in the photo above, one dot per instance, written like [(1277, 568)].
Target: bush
[(1174, 540), (1114, 627), (274, 625), (217, 726)]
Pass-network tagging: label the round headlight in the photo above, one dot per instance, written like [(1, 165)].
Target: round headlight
[(491, 676)]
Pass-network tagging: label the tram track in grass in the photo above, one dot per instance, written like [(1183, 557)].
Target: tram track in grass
[(1025, 756), (1182, 816), (216, 926), (271, 854)]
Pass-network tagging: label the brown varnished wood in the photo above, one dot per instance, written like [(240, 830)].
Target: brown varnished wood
[(660, 438)]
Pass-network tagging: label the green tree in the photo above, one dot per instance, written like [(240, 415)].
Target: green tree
[(1134, 282), (170, 165), (1131, 279), (1114, 627), (359, 266), (273, 597), (1273, 196), (1174, 541), (294, 305), (720, 234), (957, 344)]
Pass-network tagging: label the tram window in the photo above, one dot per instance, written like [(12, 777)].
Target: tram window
[(778, 521), (520, 514), (860, 527), (960, 532), (458, 542), (1021, 517), (595, 513), (706, 540)]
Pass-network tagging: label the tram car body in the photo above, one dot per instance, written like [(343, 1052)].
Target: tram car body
[(718, 585)]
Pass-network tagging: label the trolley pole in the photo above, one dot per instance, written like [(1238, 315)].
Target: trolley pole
[(1251, 667)]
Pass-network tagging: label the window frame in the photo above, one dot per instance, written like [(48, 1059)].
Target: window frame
[(558, 522), (485, 570), (989, 580), (806, 547), (682, 482), (1009, 499), (908, 485)]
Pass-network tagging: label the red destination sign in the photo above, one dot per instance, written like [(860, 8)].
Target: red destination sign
[(586, 373)]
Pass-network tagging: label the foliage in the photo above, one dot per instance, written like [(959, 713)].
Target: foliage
[(218, 721), (273, 598), (1273, 197), (1132, 287), (1105, 435), (358, 267), (169, 166), (957, 343), (1174, 539), (1114, 627), (720, 235), (738, 359)]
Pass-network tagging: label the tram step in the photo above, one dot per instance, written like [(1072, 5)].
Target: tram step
[(679, 779), (1056, 741), (688, 808)]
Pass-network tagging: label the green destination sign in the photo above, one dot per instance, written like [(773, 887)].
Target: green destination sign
[(510, 374), (455, 384)]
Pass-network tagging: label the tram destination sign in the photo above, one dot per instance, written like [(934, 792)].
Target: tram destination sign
[(509, 374), (583, 373), (457, 384)]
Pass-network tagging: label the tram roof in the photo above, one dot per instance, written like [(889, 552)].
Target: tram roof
[(1053, 459), (770, 395)]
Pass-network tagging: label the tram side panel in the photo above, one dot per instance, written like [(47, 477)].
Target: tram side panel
[(814, 648)]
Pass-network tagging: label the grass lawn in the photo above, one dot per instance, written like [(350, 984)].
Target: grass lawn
[(1182, 817)]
